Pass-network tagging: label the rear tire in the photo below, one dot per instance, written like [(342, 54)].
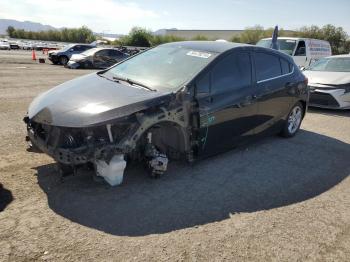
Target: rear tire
[(293, 122), (63, 60)]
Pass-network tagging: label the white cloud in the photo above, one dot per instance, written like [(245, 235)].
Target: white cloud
[(102, 15)]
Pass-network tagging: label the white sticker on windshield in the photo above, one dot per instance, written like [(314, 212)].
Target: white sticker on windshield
[(198, 54)]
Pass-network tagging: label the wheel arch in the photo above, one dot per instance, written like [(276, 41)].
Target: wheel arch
[(166, 134)]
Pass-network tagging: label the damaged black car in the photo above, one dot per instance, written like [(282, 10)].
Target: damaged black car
[(183, 100), (99, 58)]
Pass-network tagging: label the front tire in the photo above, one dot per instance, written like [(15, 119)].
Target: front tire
[(63, 60), (293, 122)]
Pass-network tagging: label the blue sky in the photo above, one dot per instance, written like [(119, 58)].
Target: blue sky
[(118, 16)]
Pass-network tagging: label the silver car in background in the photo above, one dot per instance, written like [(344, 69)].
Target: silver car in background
[(329, 82)]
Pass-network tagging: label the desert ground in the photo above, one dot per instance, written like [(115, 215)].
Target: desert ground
[(273, 200)]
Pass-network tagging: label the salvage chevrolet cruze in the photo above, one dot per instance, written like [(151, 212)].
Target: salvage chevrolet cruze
[(178, 100)]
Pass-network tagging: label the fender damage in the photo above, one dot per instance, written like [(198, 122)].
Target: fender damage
[(77, 129)]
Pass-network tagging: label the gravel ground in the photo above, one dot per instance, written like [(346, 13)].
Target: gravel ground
[(275, 200)]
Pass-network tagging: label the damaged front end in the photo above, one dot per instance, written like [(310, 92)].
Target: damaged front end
[(141, 136)]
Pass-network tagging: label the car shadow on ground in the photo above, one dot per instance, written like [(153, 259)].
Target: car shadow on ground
[(271, 173), (5, 197)]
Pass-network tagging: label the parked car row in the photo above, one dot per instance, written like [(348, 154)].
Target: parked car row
[(8, 44)]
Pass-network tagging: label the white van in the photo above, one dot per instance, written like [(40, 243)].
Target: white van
[(303, 50)]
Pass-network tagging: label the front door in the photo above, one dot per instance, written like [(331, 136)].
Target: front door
[(100, 59), (299, 55), (227, 104)]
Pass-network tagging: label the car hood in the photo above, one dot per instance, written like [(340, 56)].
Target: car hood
[(90, 100), (78, 57), (327, 78)]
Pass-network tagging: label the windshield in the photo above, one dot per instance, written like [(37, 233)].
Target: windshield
[(164, 68), (286, 46), (65, 48), (340, 64)]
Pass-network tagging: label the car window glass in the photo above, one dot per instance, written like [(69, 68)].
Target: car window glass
[(301, 49), (203, 84), (267, 66), (115, 53), (102, 53), (76, 48), (232, 72), (286, 68)]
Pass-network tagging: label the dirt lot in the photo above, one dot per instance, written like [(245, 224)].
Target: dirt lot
[(278, 199)]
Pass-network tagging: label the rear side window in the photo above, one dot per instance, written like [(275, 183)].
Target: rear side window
[(286, 66), (232, 72), (267, 66), (115, 53), (102, 53)]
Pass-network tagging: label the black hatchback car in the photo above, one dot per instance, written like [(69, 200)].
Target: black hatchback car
[(177, 100)]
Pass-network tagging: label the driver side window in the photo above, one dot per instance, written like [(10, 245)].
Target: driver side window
[(301, 49)]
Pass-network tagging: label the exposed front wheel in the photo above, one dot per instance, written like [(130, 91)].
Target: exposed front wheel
[(63, 60), (292, 125)]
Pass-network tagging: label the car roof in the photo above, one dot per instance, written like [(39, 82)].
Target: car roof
[(209, 46), (221, 47), (294, 38), (339, 56)]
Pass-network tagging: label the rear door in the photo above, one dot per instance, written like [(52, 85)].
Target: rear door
[(274, 82), (227, 106), (115, 57)]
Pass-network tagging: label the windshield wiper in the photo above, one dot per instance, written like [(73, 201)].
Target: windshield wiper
[(132, 82)]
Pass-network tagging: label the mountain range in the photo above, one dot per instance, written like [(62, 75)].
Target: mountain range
[(33, 26), (26, 25)]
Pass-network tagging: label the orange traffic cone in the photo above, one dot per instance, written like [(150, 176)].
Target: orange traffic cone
[(33, 55)]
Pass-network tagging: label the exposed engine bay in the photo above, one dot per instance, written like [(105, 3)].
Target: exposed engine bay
[(153, 136)]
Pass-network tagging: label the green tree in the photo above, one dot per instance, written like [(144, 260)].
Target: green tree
[(200, 38), (137, 37), (161, 39), (252, 35), (10, 31)]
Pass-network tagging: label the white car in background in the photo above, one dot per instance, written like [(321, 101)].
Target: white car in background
[(4, 45), (329, 82), (304, 51)]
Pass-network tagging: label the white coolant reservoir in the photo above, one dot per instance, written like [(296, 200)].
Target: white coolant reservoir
[(112, 172)]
